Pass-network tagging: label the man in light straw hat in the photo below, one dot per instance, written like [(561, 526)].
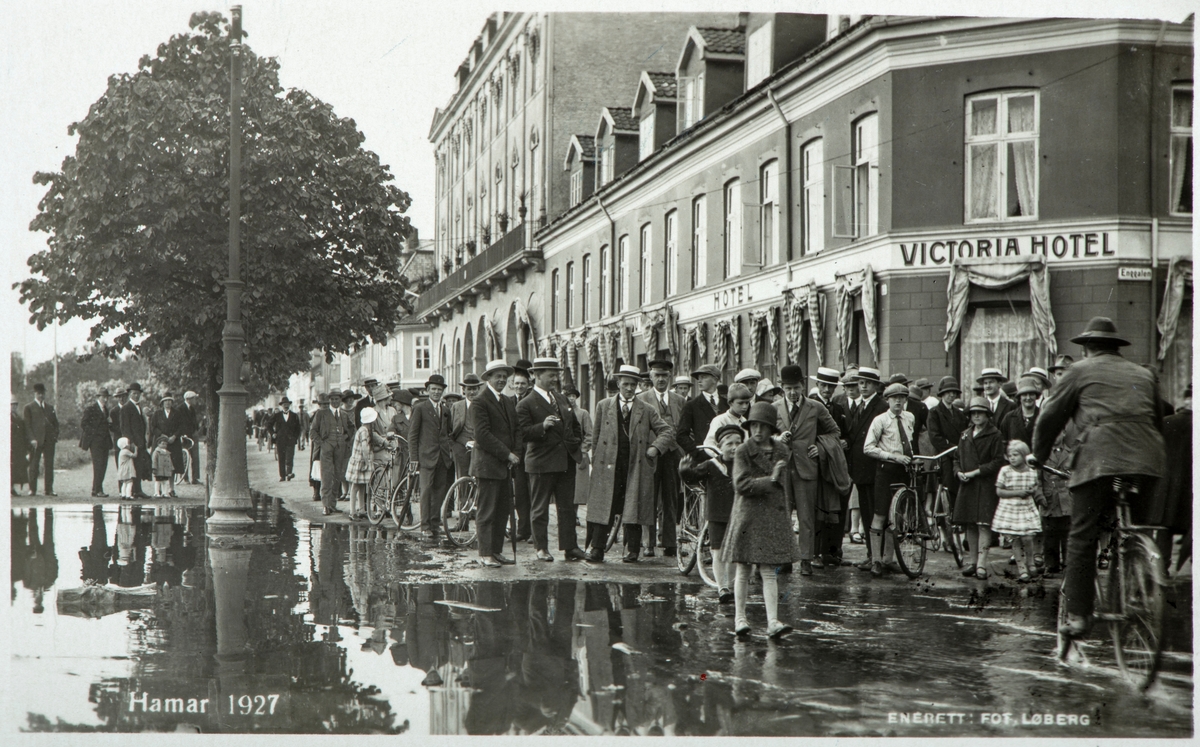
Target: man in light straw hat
[(497, 441), (461, 429), (627, 439), (682, 385), (553, 448), (991, 380), (1115, 401)]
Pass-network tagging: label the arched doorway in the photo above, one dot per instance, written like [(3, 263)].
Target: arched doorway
[(513, 350), (468, 351), (481, 344)]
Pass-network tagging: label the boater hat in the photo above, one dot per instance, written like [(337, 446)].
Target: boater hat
[(791, 375), (827, 376), (497, 365), (629, 372), (544, 364), (868, 374), (1100, 328), (948, 384), (746, 373), (708, 368), (991, 373), (765, 413), (682, 381)]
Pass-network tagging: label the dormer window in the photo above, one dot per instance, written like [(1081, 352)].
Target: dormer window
[(580, 164), (655, 112), (693, 100), (758, 54), (646, 135)]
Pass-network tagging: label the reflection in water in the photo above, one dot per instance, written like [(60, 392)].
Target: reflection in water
[(309, 629)]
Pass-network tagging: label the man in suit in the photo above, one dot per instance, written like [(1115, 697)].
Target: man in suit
[(494, 422), (328, 438), (667, 497), (19, 451), (553, 439), (365, 401), (167, 421), (41, 423), (95, 438), (862, 467), (285, 430), (800, 421), (192, 420), (429, 446), (697, 413), (826, 381), (114, 423), (521, 384), (462, 432), (133, 427), (997, 400), (683, 387)]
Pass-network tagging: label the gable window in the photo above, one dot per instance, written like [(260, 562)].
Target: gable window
[(699, 246), (758, 54), (570, 316), (671, 233), (1181, 151), (1001, 156), (555, 299), (733, 229), (644, 248), (605, 286), (576, 187), (623, 273), (768, 223), (812, 206), (587, 287), (646, 135)]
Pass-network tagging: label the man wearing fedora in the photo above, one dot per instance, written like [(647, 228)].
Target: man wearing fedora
[(862, 467), (462, 432), (668, 499), (800, 421), (553, 441), (285, 431), (697, 413), (114, 422), (365, 401), (497, 440), (626, 442), (429, 446), (1113, 402), (133, 427), (991, 380), (94, 437), (41, 423), (1061, 364), (327, 437), (167, 421)]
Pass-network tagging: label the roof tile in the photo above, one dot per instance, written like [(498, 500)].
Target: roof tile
[(588, 144), (623, 118), (723, 41), (665, 84)]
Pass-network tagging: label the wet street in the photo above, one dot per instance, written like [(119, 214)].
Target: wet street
[(320, 629)]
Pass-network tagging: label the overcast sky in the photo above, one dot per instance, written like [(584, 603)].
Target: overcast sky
[(385, 64)]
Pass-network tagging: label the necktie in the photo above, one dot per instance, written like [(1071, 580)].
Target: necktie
[(908, 452), (625, 407), (712, 401)]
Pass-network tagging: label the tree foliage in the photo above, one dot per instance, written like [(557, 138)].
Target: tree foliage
[(137, 219)]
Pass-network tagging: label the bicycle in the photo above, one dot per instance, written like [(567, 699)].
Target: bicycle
[(1130, 593), (406, 494), (379, 487), (691, 531), (462, 501), (910, 526), (185, 476)]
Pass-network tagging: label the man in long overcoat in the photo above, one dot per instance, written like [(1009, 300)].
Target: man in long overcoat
[(19, 450), (95, 438), (192, 425), (114, 423), (627, 439), (667, 497), (327, 438), (497, 441), (859, 417), (41, 423), (133, 427)]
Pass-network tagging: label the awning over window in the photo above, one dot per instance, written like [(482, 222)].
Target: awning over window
[(853, 284), (998, 275), (799, 301), (1179, 277)]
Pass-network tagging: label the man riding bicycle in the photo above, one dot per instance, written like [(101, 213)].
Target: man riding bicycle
[(1114, 405)]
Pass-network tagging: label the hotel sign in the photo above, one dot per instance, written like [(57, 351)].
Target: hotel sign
[(1063, 246)]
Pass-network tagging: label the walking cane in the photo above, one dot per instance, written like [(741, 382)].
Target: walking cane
[(513, 486)]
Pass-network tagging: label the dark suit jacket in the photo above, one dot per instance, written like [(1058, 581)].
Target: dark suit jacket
[(41, 423), (695, 417), (671, 417), (1013, 427), (93, 427), (285, 429), (429, 436), (1003, 407), (163, 425), (554, 450), (837, 411), (862, 467), (133, 425), (921, 415), (114, 423), (191, 420), (811, 420), (496, 435)]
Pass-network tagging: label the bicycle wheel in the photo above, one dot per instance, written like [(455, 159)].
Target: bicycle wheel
[(458, 512), (1136, 592), (950, 537), (704, 557), (182, 477), (613, 532), (406, 508), (908, 532), (687, 533), (378, 496)]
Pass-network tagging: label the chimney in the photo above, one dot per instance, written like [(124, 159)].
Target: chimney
[(743, 20)]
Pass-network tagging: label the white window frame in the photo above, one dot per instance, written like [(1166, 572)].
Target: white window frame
[(605, 282), (587, 287), (758, 54), (733, 228), (422, 352), (812, 204), (646, 135), (768, 213), (606, 163), (865, 160), (693, 100), (577, 186), (645, 246), (623, 273), (699, 243), (570, 316), (1000, 140), (1179, 132), (555, 298), (671, 238)]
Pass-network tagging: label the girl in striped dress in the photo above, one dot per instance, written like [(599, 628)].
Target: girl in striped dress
[(1017, 515)]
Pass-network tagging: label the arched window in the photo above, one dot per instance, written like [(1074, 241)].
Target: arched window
[(555, 298), (587, 287)]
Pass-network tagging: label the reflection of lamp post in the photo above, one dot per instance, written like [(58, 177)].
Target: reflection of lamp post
[(230, 568), (230, 498)]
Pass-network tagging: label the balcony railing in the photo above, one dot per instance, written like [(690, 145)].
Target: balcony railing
[(508, 252)]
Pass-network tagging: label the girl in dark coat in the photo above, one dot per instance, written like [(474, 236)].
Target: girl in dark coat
[(760, 526), (979, 457), (717, 474)]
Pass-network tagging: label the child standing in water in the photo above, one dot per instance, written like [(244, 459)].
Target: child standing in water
[(1017, 515)]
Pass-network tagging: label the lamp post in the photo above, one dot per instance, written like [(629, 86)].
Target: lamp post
[(230, 499)]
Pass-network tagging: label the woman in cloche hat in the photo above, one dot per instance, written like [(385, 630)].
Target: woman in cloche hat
[(979, 457)]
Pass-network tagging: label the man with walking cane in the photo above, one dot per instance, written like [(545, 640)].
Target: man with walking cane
[(494, 417)]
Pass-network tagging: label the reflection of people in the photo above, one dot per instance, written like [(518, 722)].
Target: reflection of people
[(18, 534), (493, 702), (128, 568), (549, 676), (327, 597), (93, 559), (41, 569)]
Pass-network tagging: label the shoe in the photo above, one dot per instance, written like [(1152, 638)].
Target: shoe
[(785, 568), (575, 554), (502, 560), (488, 562), (172, 494), (725, 596), (101, 494), (669, 552), (51, 493), (864, 565), (524, 538), (545, 556), (593, 556), (630, 557), (817, 562), (1012, 559), (95, 494), (316, 497), (283, 479), (650, 552), (805, 568), (876, 569), (1076, 626), (1024, 578), (331, 511), (777, 629), (857, 538), (893, 566), (291, 476), (1039, 561), (981, 573), (741, 627), (968, 571)]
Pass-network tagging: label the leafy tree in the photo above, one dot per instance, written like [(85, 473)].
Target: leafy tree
[(137, 220)]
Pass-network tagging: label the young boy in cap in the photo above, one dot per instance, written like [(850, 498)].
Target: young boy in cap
[(889, 442)]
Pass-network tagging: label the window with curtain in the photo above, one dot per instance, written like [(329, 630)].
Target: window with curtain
[(812, 205), (622, 273), (768, 213), (767, 363), (671, 273), (1002, 337), (422, 352), (587, 287), (605, 282), (570, 316), (644, 266), (1181, 151), (646, 135), (866, 175), (1002, 156), (1177, 365), (733, 229), (699, 246), (555, 299)]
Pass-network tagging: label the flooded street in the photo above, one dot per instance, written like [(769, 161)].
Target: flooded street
[(311, 629)]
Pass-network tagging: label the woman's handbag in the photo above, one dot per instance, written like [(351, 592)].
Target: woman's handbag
[(315, 472)]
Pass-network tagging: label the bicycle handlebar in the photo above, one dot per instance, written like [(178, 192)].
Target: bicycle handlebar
[(951, 450), (1064, 474)]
